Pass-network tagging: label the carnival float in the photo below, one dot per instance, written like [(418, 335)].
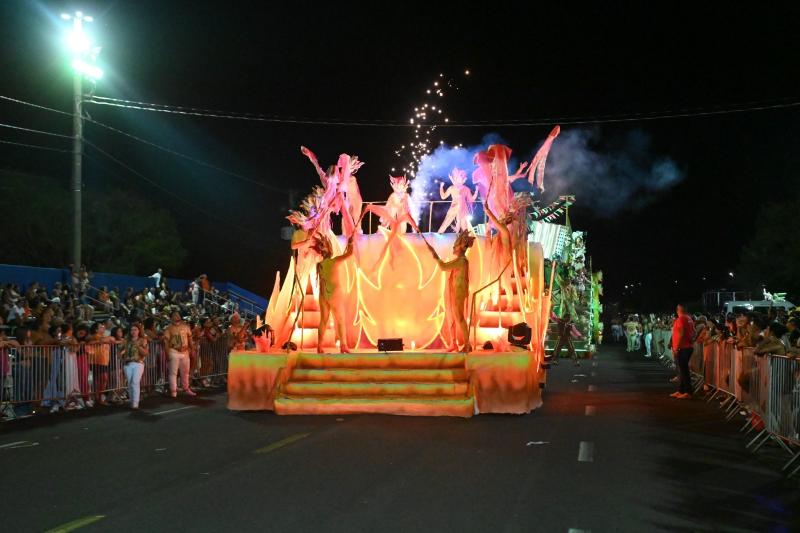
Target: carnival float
[(403, 313)]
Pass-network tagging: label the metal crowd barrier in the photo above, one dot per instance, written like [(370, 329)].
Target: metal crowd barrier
[(764, 387), (68, 377), (710, 364)]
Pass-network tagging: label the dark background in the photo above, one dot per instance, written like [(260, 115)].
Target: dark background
[(350, 61)]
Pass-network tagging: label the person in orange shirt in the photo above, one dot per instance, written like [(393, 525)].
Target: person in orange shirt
[(682, 347)]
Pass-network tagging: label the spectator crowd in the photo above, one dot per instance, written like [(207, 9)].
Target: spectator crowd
[(775, 332), (94, 324)]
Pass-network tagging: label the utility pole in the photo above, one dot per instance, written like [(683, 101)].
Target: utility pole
[(77, 163), (83, 58)]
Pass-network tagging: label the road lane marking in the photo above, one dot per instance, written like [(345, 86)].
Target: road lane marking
[(586, 452), (592, 388), (281, 443), (12, 444), (75, 524), (590, 410), (168, 411), (29, 445)]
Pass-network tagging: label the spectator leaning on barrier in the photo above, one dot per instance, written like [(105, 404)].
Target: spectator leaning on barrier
[(771, 343), (682, 346), (6, 345), (100, 357)]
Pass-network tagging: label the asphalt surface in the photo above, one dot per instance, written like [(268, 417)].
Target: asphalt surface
[(608, 451)]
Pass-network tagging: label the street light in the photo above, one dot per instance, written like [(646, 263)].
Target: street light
[(84, 55)]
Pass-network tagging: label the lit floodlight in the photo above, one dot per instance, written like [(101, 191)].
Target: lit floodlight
[(78, 41), (66, 16), (85, 68)]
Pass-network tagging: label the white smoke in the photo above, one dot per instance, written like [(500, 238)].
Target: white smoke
[(608, 175)]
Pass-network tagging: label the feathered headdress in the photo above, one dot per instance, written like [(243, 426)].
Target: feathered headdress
[(464, 239), (520, 202), (398, 182)]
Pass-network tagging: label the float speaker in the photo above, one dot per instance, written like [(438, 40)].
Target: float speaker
[(390, 345)]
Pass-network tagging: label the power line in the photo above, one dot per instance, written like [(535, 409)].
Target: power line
[(167, 191), (545, 121), (10, 126), (187, 157), (36, 146), (247, 116), (150, 143), (23, 102)]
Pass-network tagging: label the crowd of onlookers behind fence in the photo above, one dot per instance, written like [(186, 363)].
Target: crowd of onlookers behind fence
[(63, 347), (748, 361)]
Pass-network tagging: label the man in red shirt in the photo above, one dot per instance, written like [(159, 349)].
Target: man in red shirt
[(682, 346)]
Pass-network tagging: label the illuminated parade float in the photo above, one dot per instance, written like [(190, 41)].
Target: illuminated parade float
[(389, 317)]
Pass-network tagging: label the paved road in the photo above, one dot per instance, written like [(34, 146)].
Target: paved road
[(609, 451)]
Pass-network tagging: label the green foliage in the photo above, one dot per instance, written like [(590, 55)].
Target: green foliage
[(772, 257), (122, 232)]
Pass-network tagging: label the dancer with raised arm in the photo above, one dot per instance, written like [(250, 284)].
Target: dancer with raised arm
[(461, 198), (456, 290), (332, 199), (395, 215), (348, 185), (332, 287)]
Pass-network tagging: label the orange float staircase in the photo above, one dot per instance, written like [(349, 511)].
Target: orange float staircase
[(399, 383)]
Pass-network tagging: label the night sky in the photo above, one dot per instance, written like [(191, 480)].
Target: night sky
[(339, 60)]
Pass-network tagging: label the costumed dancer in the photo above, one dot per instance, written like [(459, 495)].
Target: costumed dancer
[(311, 220), (348, 184), (460, 206), (519, 230), (566, 330), (332, 291), (501, 246), (333, 197), (482, 175), (395, 215), (500, 192), (457, 289)]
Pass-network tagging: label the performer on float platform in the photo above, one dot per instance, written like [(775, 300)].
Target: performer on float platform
[(395, 215), (502, 248), (566, 329), (457, 289), (462, 197), (332, 288)]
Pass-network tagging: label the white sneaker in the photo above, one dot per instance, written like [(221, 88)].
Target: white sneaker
[(54, 409), (89, 403)]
